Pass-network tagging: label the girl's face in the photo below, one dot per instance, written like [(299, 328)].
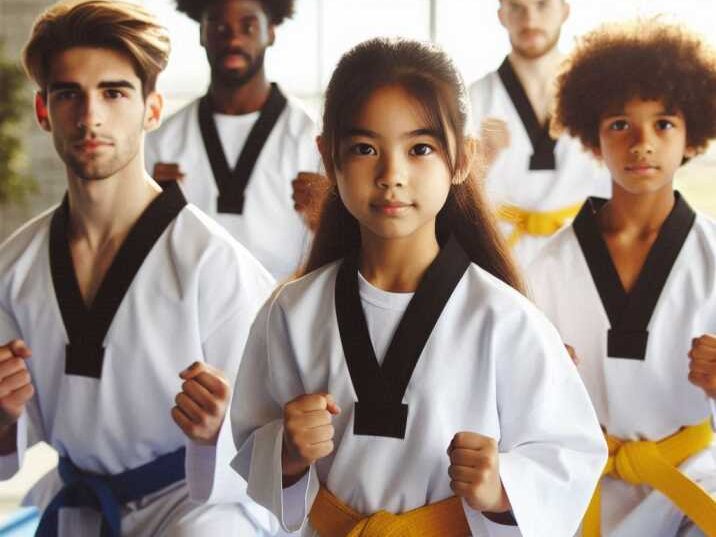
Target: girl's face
[(643, 145), (394, 177)]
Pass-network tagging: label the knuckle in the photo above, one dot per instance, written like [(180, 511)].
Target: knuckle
[(213, 408)]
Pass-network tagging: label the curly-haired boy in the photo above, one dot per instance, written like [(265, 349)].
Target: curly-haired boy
[(631, 284)]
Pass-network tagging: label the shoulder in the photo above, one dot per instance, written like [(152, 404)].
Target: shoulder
[(503, 311), (175, 125), (312, 291), (197, 241), (482, 85), (299, 122), (26, 242), (705, 225)]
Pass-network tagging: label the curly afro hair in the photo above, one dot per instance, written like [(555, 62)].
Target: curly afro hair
[(645, 59), (277, 10)]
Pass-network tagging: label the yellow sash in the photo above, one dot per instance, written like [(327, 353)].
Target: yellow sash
[(333, 518), (655, 464), (538, 224)]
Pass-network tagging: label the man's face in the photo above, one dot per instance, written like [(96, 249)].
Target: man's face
[(236, 34), (533, 26), (95, 110)]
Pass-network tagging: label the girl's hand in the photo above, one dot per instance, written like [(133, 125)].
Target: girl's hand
[(702, 366), (474, 472), (308, 433), (201, 405)]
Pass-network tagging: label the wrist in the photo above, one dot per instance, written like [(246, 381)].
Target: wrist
[(502, 505), (8, 439)]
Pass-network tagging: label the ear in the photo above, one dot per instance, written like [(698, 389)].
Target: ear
[(501, 16), (566, 10), (153, 107), (271, 33), (327, 158), (41, 113), (690, 152)]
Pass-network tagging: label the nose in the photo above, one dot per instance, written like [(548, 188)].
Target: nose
[(642, 144), (89, 114), (391, 172), (529, 15)]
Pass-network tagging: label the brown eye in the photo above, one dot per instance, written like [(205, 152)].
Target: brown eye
[(362, 150), (618, 125), (421, 150), (665, 124)]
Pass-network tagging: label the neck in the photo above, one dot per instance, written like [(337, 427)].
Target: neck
[(397, 265), (537, 71), (243, 99), (103, 211), (636, 214)]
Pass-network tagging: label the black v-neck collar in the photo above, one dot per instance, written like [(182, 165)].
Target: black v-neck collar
[(379, 410), (542, 143), (232, 183), (629, 313), (87, 327)]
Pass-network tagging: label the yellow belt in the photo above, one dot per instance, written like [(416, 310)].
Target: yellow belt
[(332, 518), (537, 224), (655, 464)]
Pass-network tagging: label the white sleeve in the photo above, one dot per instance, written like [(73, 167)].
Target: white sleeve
[(552, 450), (267, 380), (228, 306), (10, 464)]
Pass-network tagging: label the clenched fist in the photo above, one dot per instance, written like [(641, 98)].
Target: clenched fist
[(308, 433), (309, 191), (702, 364), (201, 405), (15, 383), (15, 390), (495, 137), (166, 172), (474, 472)]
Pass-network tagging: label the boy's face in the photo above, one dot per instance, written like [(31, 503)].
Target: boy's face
[(643, 145), (95, 110), (236, 34)]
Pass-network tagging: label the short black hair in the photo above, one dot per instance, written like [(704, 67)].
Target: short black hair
[(646, 59), (277, 10)]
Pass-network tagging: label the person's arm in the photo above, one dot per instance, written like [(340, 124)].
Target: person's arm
[(551, 450), (268, 381), (15, 391), (231, 289)]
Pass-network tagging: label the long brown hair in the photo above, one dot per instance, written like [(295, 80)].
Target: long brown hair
[(429, 75)]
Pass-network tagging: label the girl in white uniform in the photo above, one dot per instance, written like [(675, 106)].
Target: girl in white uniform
[(404, 381)]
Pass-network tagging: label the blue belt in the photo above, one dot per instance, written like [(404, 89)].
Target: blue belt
[(107, 494)]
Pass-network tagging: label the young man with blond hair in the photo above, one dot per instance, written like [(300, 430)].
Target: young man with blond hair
[(536, 181), (106, 298)]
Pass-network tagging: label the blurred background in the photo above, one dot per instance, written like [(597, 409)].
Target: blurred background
[(306, 50)]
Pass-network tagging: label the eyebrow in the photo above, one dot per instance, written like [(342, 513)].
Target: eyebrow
[(355, 131), (105, 84)]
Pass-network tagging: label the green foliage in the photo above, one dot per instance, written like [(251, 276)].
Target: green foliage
[(15, 183)]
